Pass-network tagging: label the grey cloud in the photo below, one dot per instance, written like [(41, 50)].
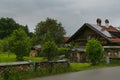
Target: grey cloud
[(71, 13)]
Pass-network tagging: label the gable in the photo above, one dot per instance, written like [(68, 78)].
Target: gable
[(85, 29), (88, 33), (93, 30)]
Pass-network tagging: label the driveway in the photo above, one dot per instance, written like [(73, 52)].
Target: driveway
[(112, 73)]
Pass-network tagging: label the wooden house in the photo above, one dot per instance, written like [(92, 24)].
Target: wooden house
[(108, 36), (35, 50)]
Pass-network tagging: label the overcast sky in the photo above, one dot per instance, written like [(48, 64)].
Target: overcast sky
[(71, 13)]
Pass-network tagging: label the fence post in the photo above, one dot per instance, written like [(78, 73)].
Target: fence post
[(68, 63), (107, 59), (33, 65)]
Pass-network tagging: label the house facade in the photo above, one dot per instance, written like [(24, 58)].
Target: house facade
[(108, 36)]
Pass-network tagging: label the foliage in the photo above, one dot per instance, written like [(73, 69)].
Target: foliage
[(64, 51), (30, 34), (94, 51), (4, 45), (19, 43), (10, 74), (49, 50), (26, 30), (7, 26), (7, 73), (1, 46), (47, 37), (56, 29)]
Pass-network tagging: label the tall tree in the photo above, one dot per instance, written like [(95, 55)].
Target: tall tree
[(56, 29), (19, 43), (26, 29), (94, 51), (7, 26), (47, 37)]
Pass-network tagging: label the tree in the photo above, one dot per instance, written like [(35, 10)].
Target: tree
[(30, 34), (49, 50), (94, 51), (26, 29), (64, 52), (47, 37), (7, 26), (4, 45), (51, 25), (19, 43)]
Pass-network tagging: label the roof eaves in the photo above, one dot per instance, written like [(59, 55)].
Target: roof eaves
[(93, 28), (103, 35), (75, 34)]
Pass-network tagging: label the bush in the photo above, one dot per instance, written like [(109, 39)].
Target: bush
[(19, 43), (49, 50), (10, 74), (64, 52), (94, 51)]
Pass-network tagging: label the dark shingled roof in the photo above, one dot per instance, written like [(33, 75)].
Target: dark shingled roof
[(106, 32)]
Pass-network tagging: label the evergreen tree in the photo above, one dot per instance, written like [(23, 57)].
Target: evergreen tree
[(8, 25)]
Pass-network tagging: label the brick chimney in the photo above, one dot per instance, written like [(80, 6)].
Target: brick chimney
[(98, 21)]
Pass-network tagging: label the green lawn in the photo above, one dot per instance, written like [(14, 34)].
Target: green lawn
[(73, 67), (58, 70), (33, 58), (9, 57), (79, 66), (85, 66)]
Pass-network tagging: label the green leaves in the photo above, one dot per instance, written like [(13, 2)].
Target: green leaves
[(49, 50), (56, 31), (8, 25), (19, 43), (94, 51)]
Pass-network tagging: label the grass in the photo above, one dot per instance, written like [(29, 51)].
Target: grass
[(7, 57), (10, 57), (85, 66), (74, 67), (33, 58), (79, 66)]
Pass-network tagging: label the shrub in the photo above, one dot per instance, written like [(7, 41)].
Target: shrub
[(63, 51), (19, 43), (49, 50), (94, 51)]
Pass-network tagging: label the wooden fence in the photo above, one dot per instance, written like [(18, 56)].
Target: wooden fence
[(29, 65), (52, 64)]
